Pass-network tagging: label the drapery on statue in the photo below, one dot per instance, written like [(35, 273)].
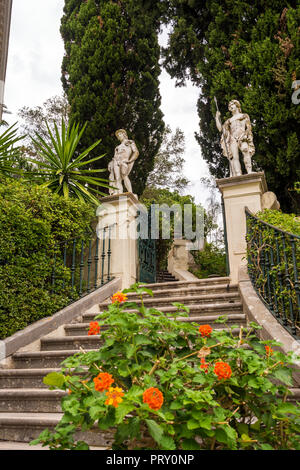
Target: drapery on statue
[(236, 135), (121, 165)]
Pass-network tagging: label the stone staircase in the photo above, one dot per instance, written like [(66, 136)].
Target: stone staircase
[(165, 276), (27, 406)]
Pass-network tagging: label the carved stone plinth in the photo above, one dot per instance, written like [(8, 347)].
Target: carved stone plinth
[(119, 212), (238, 193)]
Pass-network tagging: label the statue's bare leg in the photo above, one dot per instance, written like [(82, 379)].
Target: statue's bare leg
[(118, 182), (127, 184), (247, 158), (235, 162)]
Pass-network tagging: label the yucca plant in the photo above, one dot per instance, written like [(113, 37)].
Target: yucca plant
[(8, 151), (62, 169)]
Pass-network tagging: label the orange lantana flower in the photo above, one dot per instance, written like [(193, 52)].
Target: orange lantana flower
[(118, 297), (204, 365), (205, 330), (269, 350), (154, 398), (222, 370), (103, 381), (94, 328), (114, 396)]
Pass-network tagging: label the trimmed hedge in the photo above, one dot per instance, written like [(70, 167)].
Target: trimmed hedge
[(32, 220)]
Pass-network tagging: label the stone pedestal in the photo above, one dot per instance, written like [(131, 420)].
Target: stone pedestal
[(239, 192), (179, 260), (120, 211)]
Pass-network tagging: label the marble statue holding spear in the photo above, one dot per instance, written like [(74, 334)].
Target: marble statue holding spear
[(236, 136)]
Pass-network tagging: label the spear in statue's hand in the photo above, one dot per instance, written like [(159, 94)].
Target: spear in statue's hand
[(221, 130)]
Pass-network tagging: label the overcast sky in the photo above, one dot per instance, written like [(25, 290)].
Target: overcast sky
[(33, 75)]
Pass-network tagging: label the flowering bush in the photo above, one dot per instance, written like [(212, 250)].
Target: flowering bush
[(161, 384)]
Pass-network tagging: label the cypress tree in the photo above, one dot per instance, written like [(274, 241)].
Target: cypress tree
[(110, 74), (249, 51)]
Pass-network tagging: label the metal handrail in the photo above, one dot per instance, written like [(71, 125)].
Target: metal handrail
[(273, 267), (82, 264)]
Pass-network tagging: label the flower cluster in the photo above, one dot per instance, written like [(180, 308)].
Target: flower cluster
[(103, 381), (118, 297), (204, 365), (222, 370), (205, 330), (114, 396), (269, 350), (94, 328), (154, 398)]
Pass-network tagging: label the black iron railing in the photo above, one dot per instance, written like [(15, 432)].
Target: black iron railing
[(82, 264), (274, 266)]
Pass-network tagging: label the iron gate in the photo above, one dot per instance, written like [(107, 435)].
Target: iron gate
[(146, 249)]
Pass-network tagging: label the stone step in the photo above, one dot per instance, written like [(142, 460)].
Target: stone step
[(30, 400), (40, 359), (197, 282), (71, 343), (183, 291), (80, 329), (188, 300), (224, 308), (24, 427), (24, 378)]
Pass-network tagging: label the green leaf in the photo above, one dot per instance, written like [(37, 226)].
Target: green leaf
[(167, 443), (192, 424), (284, 375), (176, 405), (284, 408), (54, 379), (142, 339), (266, 447), (108, 420), (130, 350), (155, 430), (123, 410), (190, 444)]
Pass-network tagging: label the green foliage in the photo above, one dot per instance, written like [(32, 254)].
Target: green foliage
[(144, 348), (274, 263), (287, 222), (62, 170), (211, 260), (32, 220), (248, 51), (110, 74), (8, 149), (167, 199), (168, 163)]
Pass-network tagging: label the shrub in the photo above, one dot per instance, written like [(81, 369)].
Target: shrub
[(210, 261), (32, 220), (166, 384), (287, 222)]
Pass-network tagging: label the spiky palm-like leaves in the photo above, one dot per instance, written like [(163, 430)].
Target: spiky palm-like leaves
[(8, 151), (64, 171)]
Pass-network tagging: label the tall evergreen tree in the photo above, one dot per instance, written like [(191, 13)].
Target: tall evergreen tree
[(110, 74), (249, 51)]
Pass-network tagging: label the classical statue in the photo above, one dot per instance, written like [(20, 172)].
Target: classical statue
[(236, 136), (121, 165)]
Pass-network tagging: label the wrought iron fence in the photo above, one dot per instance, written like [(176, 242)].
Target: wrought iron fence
[(82, 264), (273, 266)]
